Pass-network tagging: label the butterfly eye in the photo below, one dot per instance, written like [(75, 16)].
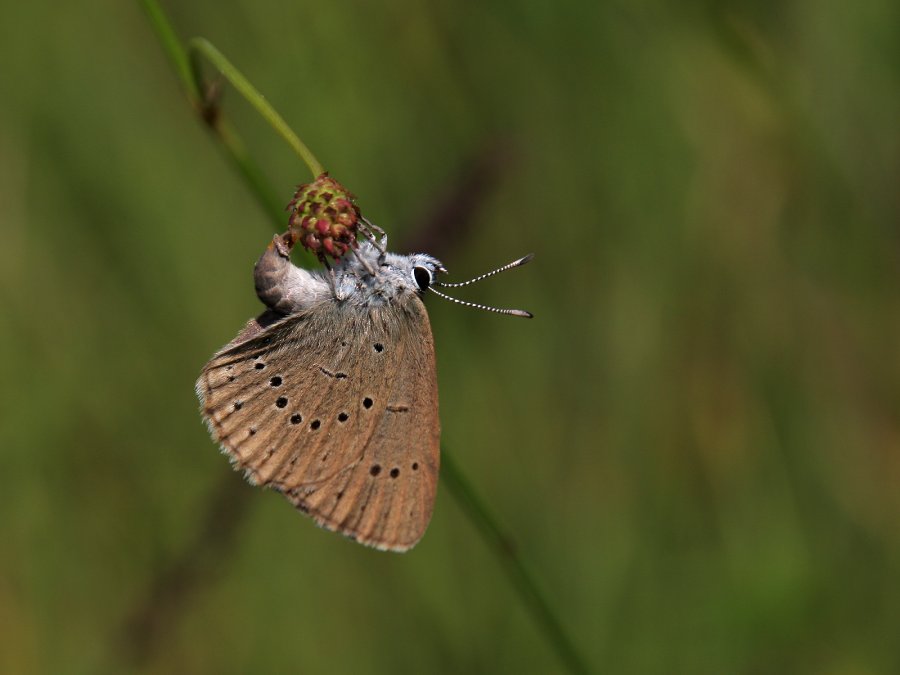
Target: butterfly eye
[(422, 277)]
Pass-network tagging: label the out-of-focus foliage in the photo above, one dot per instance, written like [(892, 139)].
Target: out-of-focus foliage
[(695, 445)]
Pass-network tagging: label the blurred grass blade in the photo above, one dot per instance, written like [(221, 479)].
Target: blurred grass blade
[(171, 45), (504, 548), (253, 176)]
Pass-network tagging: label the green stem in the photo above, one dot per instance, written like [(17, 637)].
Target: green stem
[(198, 46), (253, 175), (503, 547)]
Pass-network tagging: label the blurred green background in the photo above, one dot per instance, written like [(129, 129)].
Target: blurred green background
[(695, 446)]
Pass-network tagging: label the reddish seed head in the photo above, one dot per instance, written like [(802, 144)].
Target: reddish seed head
[(324, 217)]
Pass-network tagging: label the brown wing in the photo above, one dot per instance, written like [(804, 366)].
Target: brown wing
[(336, 408)]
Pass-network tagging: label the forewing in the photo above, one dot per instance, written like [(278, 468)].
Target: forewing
[(335, 407)]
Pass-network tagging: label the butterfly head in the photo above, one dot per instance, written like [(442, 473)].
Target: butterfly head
[(424, 269), (416, 273), (378, 275)]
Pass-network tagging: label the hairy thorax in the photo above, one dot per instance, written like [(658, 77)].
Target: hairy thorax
[(368, 278)]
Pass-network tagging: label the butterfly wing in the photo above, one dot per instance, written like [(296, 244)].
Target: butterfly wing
[(336, 407)]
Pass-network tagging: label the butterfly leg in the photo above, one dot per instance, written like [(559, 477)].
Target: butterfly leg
[(370, 229)]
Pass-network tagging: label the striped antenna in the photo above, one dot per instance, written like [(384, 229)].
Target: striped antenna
[(498, 310), (514, 263), (487, 308)]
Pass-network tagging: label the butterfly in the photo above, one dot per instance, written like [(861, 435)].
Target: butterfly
[(330, 396)]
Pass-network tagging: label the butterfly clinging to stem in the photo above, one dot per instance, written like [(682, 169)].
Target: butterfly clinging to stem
[(330, 395)]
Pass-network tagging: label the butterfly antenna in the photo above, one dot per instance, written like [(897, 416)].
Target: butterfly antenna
[(514, 263), (498, 310)]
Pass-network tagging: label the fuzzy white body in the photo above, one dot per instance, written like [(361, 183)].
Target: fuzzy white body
[(366, 278)]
